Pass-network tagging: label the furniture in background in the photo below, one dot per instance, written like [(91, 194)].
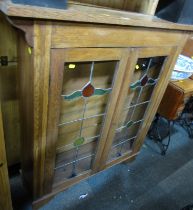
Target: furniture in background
[(187, 117), (5, 195), (9, 91), (176, 96), (146, 6), (173, 107), (91, 80), (176, 11)]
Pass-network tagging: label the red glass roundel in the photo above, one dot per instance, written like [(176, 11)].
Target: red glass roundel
[(88, 90), (144, 81)]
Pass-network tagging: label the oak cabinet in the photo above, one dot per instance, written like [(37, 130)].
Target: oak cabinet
[(91, 80), (99, 105), (99, 100)]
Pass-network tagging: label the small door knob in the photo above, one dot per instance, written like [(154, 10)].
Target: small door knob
[(1, 164)]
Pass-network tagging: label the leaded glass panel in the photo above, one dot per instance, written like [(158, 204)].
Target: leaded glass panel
[(145, 78), (86, 90)]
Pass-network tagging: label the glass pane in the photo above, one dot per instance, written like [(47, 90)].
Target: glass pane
[(86, 90), (145, 78), (70, 164)]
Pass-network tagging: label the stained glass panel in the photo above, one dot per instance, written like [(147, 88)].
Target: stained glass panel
[(145, 78), (86, 90)]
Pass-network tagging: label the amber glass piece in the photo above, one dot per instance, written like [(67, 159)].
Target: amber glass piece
[(144, 80), (88, 90)]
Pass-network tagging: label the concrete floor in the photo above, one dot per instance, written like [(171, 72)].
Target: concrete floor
[(151, 182)]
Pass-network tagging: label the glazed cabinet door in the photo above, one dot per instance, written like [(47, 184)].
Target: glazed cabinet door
[(137, 104), (84, 88)]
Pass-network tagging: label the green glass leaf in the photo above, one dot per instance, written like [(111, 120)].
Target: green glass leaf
[(151, 81), (129, 124), (74, 95), (78, 142), (135, 85), (100, 92)]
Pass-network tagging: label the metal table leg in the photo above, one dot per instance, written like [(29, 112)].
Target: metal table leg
[(154, 134)]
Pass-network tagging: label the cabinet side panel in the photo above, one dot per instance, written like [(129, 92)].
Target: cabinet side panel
[(26, 110), (34, 83), (188, 48), (42, 34)]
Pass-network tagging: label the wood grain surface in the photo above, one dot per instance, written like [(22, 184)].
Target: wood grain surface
[(81, 13), (5, 194)]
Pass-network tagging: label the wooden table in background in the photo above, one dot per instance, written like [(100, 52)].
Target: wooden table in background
[(176, 96)]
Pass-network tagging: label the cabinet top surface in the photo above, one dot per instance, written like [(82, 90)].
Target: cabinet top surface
[(185, 85), (89, 14)]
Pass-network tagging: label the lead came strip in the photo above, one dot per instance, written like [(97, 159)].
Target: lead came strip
[(86, 118), (69, 163), (61, 149), (122, 142)]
